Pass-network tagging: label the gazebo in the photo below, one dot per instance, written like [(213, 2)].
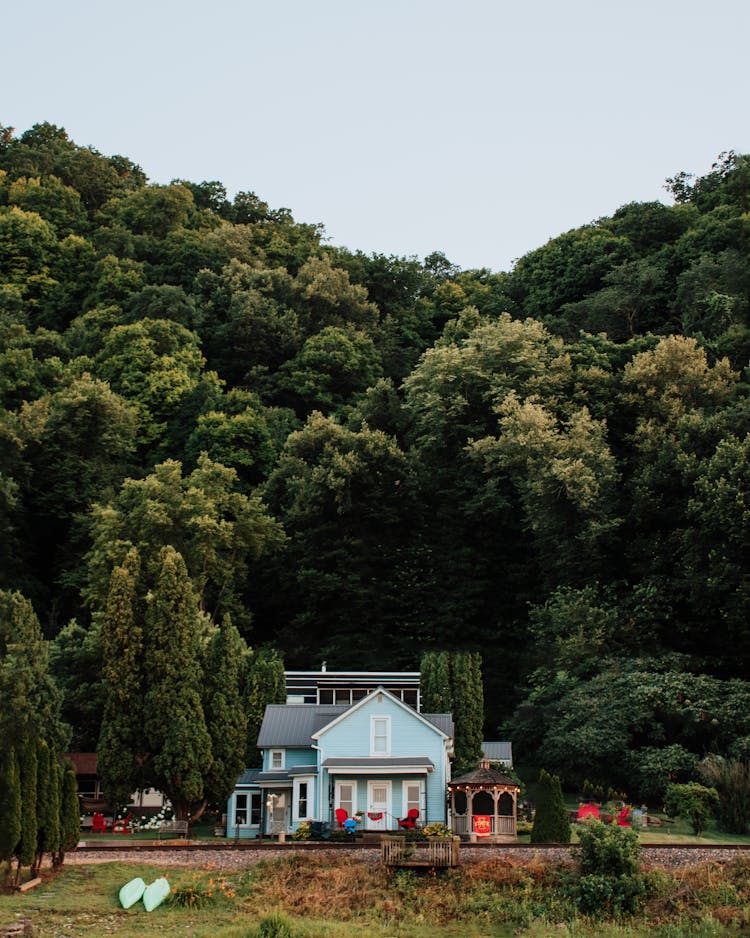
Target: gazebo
[(483, 803)]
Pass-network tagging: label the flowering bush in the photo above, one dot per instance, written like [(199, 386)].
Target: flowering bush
[(153, 823), (204, 889), (436, 829)]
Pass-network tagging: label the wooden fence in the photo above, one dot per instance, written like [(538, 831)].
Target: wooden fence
[(437, 853)]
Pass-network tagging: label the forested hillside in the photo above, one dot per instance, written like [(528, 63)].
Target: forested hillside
[(364, 457)]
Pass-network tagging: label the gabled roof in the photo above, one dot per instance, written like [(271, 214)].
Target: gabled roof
[(399, 703), (293, 725), (483, 777)]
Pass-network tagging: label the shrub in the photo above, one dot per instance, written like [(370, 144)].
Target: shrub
[(436, 829), (608, 850), (551, 821), (610, 882), (731, 779), (693, 802), (303, 832), (275, 925)]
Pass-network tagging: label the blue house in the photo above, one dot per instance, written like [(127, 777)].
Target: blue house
[(376, 760)]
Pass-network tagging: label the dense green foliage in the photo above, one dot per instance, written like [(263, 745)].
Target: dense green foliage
[(692, 801), (366, 458), (610, 883), (730, 778)]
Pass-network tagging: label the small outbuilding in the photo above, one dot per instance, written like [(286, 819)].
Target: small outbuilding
[(484, 804)]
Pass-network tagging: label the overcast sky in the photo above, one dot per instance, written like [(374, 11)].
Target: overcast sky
[(476, 128)]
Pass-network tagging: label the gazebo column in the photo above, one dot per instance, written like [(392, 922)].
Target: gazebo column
[(495, 801)]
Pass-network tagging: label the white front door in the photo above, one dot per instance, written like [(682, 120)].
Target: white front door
[(378, 805)]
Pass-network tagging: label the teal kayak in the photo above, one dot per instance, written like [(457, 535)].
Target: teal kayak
[(156, 893), (131, 892)]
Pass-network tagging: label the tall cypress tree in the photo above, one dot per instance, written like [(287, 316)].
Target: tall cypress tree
[(226, 718), (120, 742), (451, 682), (10, 804), (70, 818), (48, 804), (174, 719), (468, 708), (435, 682), (29, 820)]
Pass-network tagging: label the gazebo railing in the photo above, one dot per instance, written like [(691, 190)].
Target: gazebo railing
[(505, 825)]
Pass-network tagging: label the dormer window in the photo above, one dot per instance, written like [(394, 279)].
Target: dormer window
[(380, 736), (277, 760)]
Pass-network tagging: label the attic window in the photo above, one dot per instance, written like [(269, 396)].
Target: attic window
[(380, 736), (277, 759)]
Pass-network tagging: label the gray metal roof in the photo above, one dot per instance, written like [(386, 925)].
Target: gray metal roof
[(292, 725), (248, 777), (267, 779), (303, 770), (498, 751), (443, 721), (375, 763)]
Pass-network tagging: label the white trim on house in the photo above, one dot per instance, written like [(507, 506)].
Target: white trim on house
[(357, 768), (421, 800), (309, 814), (379, 690), (351, 802), (385, 806)]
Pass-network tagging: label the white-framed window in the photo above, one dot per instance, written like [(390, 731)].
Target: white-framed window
[(247, 809), (346, 797), (412, 796), (302, 799), (276, 760), (380, 736)]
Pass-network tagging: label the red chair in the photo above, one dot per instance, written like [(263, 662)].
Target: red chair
[(98, 823), (341, 816), (622, 817), (410, 821)]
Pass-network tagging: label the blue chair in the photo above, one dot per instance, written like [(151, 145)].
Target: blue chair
[(350, 825)]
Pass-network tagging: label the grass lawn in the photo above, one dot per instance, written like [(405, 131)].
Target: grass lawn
[(83, 901)]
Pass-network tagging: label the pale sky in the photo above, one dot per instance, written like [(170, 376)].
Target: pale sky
[(476, 128)]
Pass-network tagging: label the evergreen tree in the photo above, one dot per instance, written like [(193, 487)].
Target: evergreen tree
[(120, 743), (265, 683), (451, 682), (468, 708), (226, 718), (10, 804), (48, 804), (174, 720), (435, 683), (29, 820), (70, 819), (551, 821)]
